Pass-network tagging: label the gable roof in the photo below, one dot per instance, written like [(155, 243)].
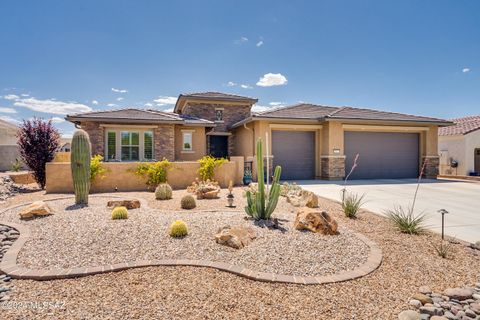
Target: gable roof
[(134, 115), (462, 126), (307, 111), (212, 95)]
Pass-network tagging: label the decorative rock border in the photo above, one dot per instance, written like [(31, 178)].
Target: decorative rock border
[(10, 267)]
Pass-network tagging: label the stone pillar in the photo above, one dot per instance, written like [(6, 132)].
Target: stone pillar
[(164, 139), (333, 167), (97, 137), (432, 167)]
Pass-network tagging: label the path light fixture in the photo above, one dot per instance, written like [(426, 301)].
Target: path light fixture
[(230, 196), (443, 212)]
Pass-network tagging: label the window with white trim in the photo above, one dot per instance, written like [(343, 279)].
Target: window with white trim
[(187, 144), (129, 145)]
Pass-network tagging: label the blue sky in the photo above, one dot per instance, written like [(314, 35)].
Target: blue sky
[(57, 57)]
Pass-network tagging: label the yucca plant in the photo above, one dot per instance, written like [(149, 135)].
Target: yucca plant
[(351, 204), (443, 250), (406, 220), (259, 206)]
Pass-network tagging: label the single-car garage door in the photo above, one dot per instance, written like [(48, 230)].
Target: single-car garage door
[(294, 151), (382, 155)]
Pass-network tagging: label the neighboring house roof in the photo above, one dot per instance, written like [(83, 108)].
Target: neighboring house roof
[(462, 126), (133, 115), (7, 125), (218, 96), (304, 111)]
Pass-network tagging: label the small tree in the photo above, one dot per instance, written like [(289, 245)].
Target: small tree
[(38, 141)]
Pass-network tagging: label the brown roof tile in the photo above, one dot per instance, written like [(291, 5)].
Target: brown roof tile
[(462, 126), (216, 95)]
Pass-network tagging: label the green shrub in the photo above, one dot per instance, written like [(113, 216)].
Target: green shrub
[(16, 165), (119, 213), (163, 192), (208, 164), (155, 172), (351, 204), (178, 229), (443, 250), (188, 202), (405, 219), (97, 170)]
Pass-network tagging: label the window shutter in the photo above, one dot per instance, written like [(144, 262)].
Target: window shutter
[(111, 146), (148, 145)]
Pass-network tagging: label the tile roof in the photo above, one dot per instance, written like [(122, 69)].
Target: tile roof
[(217, 95), (137, 115), (462, 126), (319, 112)]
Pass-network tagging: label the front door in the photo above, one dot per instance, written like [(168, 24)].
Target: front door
[(218, 146), (477, 160)]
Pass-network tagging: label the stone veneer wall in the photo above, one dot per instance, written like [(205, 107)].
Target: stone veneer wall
[(164, 140), (432, 167), (97, 137), (333, 167), (231, 113)]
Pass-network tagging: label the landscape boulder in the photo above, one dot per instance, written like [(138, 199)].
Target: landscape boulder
[(304, 199), (459, 293), (127, 203), (315, 221), (37, 208), (235, 237)]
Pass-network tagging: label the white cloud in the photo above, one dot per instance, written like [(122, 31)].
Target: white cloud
[(111, 105), (119, 98), (259, 108), (119, 90), (148, 104), (275, 103), (272, 79), (241, 40), (94, 102), (231, 84), (7, 110), (259, 43), (165, 100), (25, 95), (51, 106), (10, 119), (11, 97), (246, 86), (466, 70), (57, 120)]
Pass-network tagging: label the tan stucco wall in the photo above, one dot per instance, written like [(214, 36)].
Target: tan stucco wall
[(244, 141), (460, 148), (199, 142), (59, 177)]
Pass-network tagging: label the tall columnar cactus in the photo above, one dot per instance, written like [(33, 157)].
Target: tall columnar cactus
[(259, 207), (80, 157)]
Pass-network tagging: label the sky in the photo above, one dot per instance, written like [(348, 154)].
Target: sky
[(64, 57)]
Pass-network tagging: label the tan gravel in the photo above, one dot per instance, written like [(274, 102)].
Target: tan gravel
[(201, 293), (88, 237)]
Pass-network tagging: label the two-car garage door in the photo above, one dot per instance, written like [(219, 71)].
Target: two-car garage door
[(382, 155)]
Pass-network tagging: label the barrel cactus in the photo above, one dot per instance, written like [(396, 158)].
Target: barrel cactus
[(119, 213), (80, 157), (178, 229), (163, 192), (188, 202), (259, 206)]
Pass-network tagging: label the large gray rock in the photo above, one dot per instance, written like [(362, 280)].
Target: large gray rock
[(409, 315), (459, 293)]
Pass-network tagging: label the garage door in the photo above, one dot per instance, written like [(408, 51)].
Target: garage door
[(294, 151), (382, 155)]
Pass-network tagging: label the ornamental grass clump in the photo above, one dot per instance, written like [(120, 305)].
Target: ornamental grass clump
[(443, 250), (119, 213), (351, 204), (178, 229), (405, 220), (188, 202)]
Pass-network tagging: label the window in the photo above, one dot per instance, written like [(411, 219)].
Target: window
[(219, 115), (148, 145), (125, 145), (187, 141)]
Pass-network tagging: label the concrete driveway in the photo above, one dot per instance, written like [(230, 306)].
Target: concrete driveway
[(461, 199)]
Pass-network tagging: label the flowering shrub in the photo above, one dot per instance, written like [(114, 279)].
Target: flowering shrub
[(208, 164)]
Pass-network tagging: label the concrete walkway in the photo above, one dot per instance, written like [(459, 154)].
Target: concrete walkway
[(461, 199)]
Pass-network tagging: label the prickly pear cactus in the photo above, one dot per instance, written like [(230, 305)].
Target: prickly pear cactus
[(80, 157)]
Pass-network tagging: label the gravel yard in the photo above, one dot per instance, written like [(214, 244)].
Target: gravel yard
[(87, 237), (202, 293)]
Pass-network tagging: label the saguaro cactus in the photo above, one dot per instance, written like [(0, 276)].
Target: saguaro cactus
[(258, 206), (80, 157)]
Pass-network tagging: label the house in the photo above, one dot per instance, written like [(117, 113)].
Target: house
[(309, 141), (459, 147), (8, 145)]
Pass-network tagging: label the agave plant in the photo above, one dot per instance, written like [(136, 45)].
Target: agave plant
[(259, 206), (406, 220), (351, 204)]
